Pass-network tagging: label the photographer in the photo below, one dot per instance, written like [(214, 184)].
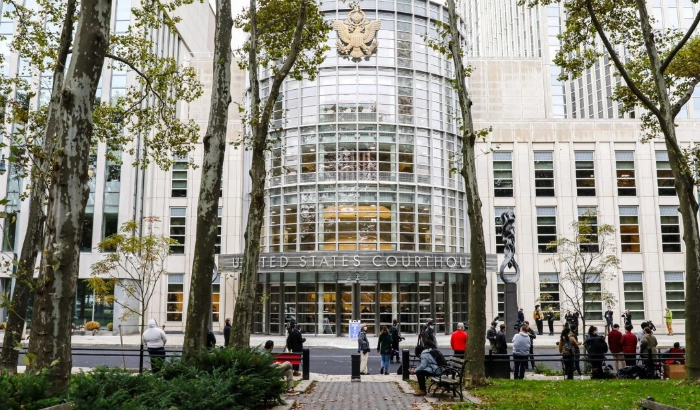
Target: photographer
[(627, 316), (396, 338)]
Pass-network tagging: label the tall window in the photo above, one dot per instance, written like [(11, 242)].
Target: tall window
[(86, 238), (499, 232), (118, 85), (113, 174), (217, 246), (123, 16), (544, 173), (179, 180), (177, 229), (592, 297), (12, 207), (585, 173), (629, 229), (176, 298), (503, 174), (546, 229), (675, 293), (549, 291), (670, 229), (634, 293), (626, 184), (215, 298), (664, 175), (588, 219)]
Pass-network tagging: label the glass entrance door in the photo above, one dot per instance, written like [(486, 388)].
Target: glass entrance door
[(368, 306), (345, 306)]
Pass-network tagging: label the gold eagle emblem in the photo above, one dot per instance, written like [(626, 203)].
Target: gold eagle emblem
[(356, 35)]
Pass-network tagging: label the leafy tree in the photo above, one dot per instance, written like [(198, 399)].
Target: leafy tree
[(660, 71), (203, 263), (450, 44), (294, 52), (134, 263), (588, 261)]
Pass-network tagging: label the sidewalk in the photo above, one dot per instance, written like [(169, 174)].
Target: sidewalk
[(320, 341)]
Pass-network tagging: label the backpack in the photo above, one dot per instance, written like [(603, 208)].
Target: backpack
[(438, 356), (567, 350)]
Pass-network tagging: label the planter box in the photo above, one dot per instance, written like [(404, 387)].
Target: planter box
[(674, 371)]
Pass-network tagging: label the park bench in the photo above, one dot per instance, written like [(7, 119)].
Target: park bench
[(293, 358), (450, 378)]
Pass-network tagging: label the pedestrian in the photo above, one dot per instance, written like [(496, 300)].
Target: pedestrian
[(363, 349), (615, 345), (532, 335), (574, 322), (566, 345), (596, 347), (285, 367), (608, 320), (458, 341), (501, 343), (395, 340), (627, 316), (155, 339), (428, 332), (227, 331), (384, 349), (491, 336), (649, 343), (629, 346), (577, 354), (550, 320), (539, 319), (295, 343), (211, 339), (521, 350), (569, 319), (669, 321), (428, 367), (521, 316)]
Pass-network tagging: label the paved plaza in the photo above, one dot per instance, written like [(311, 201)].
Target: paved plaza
[(344, 395)]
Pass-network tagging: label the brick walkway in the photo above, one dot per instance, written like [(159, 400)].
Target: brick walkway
[(356, 396)]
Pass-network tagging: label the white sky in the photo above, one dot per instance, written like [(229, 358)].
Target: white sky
[(236, 8)]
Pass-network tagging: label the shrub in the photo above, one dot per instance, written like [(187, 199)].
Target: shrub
[(25, 391), (545, 370), (109, 388), (110, 326), (90, 326)]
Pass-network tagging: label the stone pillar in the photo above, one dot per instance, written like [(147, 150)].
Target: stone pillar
[(130, 322), (511, 309)]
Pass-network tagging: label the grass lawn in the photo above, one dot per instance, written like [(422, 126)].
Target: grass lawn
[(583, 394)]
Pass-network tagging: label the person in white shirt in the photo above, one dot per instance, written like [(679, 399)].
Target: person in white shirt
[(155, 339)]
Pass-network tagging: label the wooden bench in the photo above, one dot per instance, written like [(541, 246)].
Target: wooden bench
[(450, 379), (293, 358)]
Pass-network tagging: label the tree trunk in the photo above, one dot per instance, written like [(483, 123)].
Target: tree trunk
[(50, 340), (199, 305), (477, 246), (242, 325), (31, 246)]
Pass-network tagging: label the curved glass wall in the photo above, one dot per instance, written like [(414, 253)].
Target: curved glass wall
[(364, 158)]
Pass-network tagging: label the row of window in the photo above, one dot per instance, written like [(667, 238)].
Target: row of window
[(585, 175), (551, 295), (178, 230), (176, 298), (629, 228)]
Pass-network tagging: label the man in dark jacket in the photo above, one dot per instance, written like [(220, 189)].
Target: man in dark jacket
[(501, 341), (227, 331), (396, 338), (532, 335), (596, 347), (295, 343), (211, 339), (608, 320), (491, 336)]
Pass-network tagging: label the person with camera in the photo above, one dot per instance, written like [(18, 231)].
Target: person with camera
[(363, 349), (550, 320), (627, 316), (396, 338)]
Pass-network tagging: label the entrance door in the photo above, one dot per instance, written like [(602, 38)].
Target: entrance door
[(368, 306), (345, 305)]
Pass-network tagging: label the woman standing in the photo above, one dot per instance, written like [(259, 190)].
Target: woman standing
[(384, 348), (363, 349), (550, 320), (567, 348)]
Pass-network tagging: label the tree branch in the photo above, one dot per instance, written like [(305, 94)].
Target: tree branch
[(618, 64), (679, 46), (678, 106)]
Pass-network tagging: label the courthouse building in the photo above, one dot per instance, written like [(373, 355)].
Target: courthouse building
[(365, 218)]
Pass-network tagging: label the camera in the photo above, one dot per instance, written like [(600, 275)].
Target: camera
[(518, 325)]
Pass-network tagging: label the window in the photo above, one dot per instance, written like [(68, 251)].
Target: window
[(670, 229), (12, 207), (544, 173), (123, 16), (179, 180), (110, 221), (634, 293), (664, 175), (177, 229), (176, 298), (585, 173), (503, 174), (629, 229), (499, 237), (215, 298), (592, 297), (588, 228), (217, 246), (675, 293), (549, 292), (546, 229), (501, 290), (86, 237), (626, 185), (118, 85)]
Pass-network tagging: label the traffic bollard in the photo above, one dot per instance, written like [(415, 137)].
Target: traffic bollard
[(305, 364), (355, 362), (405, 363)]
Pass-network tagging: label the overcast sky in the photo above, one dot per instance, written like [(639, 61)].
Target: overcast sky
[(236, 7)]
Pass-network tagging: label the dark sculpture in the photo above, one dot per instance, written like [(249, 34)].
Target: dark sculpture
[(508, 233)]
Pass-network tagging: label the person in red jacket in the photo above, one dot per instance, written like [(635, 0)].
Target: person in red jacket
[(615, 345), (629, 346), (458, 341)]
